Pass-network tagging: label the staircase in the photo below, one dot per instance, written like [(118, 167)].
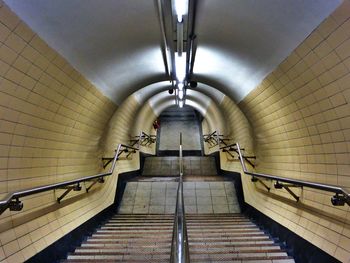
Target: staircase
[(147, 238), (142, 229), (230, 237), (128, 238)]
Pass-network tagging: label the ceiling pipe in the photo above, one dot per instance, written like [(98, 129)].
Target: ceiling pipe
[(164, 44), (191, 38)]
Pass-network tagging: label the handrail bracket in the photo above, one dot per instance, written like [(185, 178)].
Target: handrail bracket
[(100, 180), (108, 159), (232, 148), (279, 185), (15, 205), (76, 188), (254, 179), (341, 197)]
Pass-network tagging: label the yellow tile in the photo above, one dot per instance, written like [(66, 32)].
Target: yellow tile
[(342, 254), (7, 55), (331, 60), (339, 35), (313, 39), (15, 43), (327, 27), (8, 18), (343, 50), (24, 241), (24, 32), (2, 254), (341, 13), (323, 49), (11, 248), (16, 258), (4, 32), (22, 64)]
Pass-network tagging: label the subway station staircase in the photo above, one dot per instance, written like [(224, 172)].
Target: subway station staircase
[(142, 229)]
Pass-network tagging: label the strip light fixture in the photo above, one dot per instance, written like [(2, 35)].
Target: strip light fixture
[(181, 9)]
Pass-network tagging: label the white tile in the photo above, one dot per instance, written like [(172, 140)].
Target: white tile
[(139, 209), (220, 209), (191, 209), (204, 209), (124, 209), (202, 185), (219, 200), (201, 200), (157, 209), (190, 201)]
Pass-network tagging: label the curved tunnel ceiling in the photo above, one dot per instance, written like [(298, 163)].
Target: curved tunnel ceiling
[(113, 43), (242, 41), (196, 99), (116, 44)]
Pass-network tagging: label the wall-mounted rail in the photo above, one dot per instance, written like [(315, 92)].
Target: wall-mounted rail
[(179, 244), (340, 198), (143, 139), (341, 195), (231, 148), (215, 138), (12, 200)]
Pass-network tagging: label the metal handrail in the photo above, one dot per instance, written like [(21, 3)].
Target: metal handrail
[(341, 195), (179, 244), (12, 199), (230, 147), (149, 138), (214, 139)]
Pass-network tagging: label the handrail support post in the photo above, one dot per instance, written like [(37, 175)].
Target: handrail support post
[(261, 182), (64, 194), (278, 185), (292, 193), (76, 187)]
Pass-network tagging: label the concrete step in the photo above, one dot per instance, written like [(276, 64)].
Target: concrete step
[(147, 238)]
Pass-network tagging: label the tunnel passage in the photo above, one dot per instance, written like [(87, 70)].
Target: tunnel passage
[(272, 76), (175, 120)]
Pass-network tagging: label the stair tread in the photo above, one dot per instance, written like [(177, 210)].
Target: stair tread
[(211, 238)]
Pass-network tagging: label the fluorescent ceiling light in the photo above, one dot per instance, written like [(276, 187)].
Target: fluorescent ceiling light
[(180, 66), (181, 94), (181, 103), (181, 8), (180, 85)]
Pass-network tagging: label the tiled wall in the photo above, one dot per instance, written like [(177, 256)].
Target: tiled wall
[(144, 120), (121, 126), (214, 121), (300, 115), (51, 123)]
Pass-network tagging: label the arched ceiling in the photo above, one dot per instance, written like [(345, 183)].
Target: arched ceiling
[(113, 43), (241, 41), (116, 44)]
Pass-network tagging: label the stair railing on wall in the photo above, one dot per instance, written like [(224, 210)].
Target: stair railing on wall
[(339, 199), (143, 139), (214, 139), (179, 244), (12, 200)]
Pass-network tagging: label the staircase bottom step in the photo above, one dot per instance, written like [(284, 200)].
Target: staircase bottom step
[(236, 260)]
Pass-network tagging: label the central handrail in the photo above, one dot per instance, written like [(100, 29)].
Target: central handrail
[(179, 244), (12, 199)]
